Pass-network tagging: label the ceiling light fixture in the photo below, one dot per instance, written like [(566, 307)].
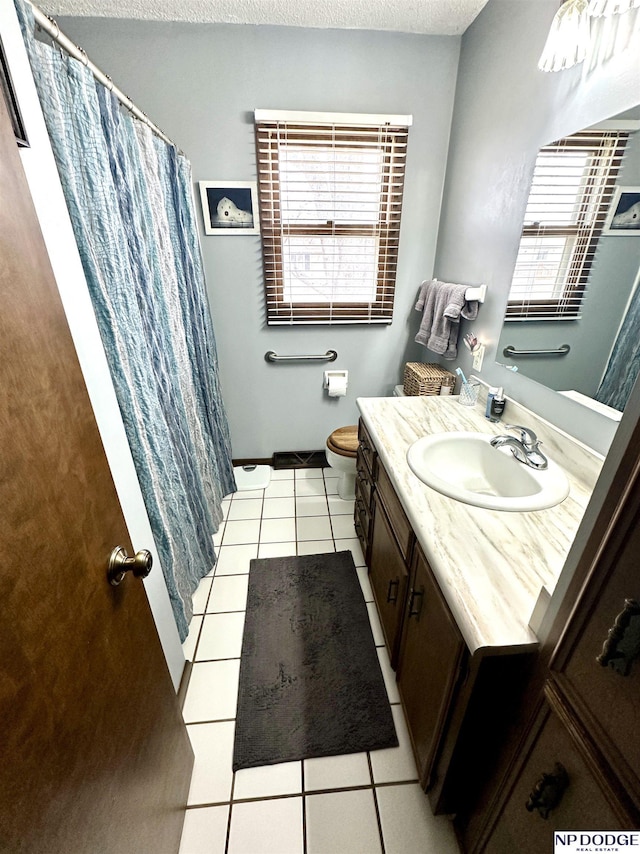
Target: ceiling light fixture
[(569, 36), (605, 8)]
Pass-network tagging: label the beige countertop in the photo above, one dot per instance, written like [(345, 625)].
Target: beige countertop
[(490, 565)]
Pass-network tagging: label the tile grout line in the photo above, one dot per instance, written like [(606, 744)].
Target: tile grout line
[(233, 785), (303, 794), (304, 809), (375, 802)]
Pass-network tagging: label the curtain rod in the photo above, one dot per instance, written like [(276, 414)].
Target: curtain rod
[(50, 26)]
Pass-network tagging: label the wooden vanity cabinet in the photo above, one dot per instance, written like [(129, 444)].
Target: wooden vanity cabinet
[(389, 579), (366, 470), (431, 661), (456, 704), (391, 548)]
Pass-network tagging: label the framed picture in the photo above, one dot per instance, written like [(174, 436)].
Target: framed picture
[(624, 213), (230, 207), (6, 86)]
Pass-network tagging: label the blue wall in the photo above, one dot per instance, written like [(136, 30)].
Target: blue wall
[(505, 110), (200, 84)]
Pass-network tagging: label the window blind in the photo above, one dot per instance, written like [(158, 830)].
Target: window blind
[(572, 189), (330, 195)]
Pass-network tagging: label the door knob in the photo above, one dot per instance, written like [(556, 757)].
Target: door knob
[(119, 564)]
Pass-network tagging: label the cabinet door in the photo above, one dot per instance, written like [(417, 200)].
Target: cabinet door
[(555, 790), (431, 654), (389, 579), (367, 449), (608, 697), (361, 520), (397, 518)]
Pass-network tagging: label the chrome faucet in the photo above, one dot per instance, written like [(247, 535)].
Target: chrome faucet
[(526, 449)]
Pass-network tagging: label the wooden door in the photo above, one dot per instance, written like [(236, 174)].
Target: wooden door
[(94, 755)]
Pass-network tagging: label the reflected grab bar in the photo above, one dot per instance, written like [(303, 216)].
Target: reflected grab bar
[(511, 353), (329, 356)]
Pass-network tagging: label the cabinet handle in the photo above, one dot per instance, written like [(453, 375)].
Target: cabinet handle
[(416, 594), (612, 655), (393, 597), (548, 791)]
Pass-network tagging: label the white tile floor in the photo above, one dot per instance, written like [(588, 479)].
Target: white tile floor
[(365, 803)]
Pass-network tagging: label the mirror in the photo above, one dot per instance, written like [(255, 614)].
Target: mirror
[(596, 368)]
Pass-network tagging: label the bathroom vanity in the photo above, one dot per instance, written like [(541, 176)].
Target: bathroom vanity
[(455, 585)]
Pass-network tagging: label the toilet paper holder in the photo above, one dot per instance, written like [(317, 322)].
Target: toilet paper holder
[(336, 382)]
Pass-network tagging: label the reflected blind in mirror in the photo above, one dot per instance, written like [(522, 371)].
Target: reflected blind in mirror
[(330, 192), (572, 189)]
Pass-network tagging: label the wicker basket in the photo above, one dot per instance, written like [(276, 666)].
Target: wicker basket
[(426, 379)]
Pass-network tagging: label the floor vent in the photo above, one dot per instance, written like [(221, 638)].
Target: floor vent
[(299, 460)]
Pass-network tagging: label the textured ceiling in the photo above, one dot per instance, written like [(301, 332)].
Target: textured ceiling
[(435, 17)]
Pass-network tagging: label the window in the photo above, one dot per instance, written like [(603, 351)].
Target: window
[(572, 188), (330, 192)]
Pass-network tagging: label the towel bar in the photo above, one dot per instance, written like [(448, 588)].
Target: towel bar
[(473, 294), (329, 356), (476, 294), (510, 352)]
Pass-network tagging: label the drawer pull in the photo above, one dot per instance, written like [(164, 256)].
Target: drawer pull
[(622, 645), (362, 479), (392, 595), (416, 595), (548, 791)]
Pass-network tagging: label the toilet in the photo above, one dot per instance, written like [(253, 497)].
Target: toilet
[(341, 450)]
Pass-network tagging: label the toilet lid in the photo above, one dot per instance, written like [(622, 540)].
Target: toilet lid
[(344, 441)]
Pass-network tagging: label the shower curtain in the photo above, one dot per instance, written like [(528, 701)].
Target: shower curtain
[(129, 198), (624, 362)]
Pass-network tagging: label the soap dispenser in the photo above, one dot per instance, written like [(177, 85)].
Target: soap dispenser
[(497, 405)]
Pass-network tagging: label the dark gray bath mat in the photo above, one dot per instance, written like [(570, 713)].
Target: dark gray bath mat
[(310, 678)]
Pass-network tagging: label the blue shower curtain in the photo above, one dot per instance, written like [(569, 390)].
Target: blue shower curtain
[(624, 362), (129, 198)]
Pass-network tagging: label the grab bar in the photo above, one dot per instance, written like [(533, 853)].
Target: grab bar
[(329, 356), (511, 353)]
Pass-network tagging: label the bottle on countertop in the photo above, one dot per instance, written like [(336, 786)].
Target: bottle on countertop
[(493, 390), (497, 405)]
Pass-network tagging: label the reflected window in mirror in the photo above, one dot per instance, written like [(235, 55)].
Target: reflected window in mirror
[(572, 188)]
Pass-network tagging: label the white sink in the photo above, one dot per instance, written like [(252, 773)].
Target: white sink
[(466, 467)]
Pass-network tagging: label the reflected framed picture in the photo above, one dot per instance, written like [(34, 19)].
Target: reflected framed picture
[(624, 213), (6, 85), (230, 207)]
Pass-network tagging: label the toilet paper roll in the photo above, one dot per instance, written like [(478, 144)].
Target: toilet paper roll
[(337, 386)]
